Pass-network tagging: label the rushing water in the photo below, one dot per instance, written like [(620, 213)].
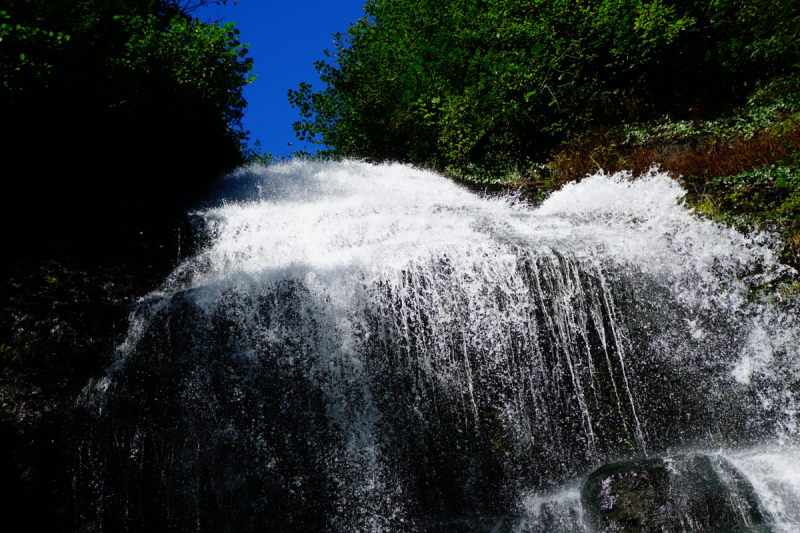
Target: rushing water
[(374, 348)]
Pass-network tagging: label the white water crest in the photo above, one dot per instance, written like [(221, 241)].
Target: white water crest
[(775, 474), (376, 348)]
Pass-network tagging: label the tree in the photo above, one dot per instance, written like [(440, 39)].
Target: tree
[(114, 98), (495, 84)]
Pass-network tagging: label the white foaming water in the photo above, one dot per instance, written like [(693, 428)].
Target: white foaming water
[(324, 216), (429, 318), (336, 220), (559, 512), (775, 474)]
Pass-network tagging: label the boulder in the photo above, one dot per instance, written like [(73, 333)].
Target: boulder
[(686, 493)]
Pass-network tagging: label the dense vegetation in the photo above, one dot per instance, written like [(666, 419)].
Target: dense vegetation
[(115, 114), (485, 83), (108, 100), (544, 91)]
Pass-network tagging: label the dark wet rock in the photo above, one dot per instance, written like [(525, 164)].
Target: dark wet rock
[(665, 495), (64, 304)]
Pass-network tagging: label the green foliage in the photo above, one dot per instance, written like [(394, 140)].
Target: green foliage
[(656, 23), (746, 121), (767, 193), (776, 176), (494, 85), (18, 38), (136, 53), (204, 61), (773, 27), (256, 156), (119, 95), (764, 197), (131, 117)]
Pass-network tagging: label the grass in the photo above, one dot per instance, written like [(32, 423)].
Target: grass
[(696, 159)]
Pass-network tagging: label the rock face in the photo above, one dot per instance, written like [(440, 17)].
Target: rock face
[(665, 495), (65, 302)]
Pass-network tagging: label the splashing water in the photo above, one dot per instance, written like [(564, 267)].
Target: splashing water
[(775, 474), (374, 348)]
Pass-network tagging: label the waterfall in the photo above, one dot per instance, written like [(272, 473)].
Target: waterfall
[(374, 348)]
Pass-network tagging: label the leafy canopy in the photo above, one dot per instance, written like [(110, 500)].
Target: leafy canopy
[(497, 83), (131, 51), (131, 106)]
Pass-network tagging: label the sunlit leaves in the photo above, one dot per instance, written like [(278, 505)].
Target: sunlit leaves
[(462, 82), (129, 58), (18, 41), (206, 59)]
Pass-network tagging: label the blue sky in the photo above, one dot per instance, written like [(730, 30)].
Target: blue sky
[(285, 39)]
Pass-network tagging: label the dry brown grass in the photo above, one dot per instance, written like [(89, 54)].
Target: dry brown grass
[(600, 148), (728, 159), (697, 165), (597, 149), (792, 243)]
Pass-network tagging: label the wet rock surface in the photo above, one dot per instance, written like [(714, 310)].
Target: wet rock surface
[(680, 494), (64, 304)]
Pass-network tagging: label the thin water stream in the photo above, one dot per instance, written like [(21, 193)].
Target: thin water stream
[(373, 348)]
